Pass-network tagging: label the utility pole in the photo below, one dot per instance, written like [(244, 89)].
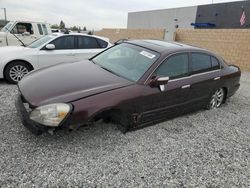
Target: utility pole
[(5, 18)]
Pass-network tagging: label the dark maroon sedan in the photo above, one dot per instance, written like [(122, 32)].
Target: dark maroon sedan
[(134, 83)]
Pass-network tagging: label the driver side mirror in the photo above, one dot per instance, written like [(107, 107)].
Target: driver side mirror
[(159, 82), (50, 47)]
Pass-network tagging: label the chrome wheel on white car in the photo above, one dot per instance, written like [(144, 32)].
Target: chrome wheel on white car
[(15, 71), (217, 99)]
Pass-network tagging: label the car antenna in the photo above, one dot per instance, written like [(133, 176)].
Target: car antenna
[(16, 37)]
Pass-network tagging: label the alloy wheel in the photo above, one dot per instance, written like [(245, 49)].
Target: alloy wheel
[(217, 99), (17, 72)]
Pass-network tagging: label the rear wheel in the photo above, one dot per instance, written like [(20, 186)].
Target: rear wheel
[(217, 99), (15, 71)]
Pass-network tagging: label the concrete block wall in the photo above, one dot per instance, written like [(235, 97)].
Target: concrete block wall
[(232, 44), (116, 34)]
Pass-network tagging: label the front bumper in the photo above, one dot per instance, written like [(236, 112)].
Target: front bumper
[(31, 125)]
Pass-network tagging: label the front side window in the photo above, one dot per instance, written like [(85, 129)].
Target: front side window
[(64, 43), (174, 67), (126, 60), (87, 43), (21, 28), (200, 62)]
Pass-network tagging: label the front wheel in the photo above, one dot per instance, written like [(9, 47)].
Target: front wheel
[(217, 99), (15, 71)]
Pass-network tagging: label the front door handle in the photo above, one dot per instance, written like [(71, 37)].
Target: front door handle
[(185, 86), (217, 78)]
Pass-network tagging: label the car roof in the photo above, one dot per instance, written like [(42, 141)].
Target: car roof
[(27, 21), (80, 34), (164, 47)]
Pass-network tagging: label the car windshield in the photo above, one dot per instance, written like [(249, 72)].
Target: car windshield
[(7, 27), (40, 41), (126, 60)]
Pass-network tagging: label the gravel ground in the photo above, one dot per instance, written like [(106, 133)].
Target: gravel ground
[(203, 149)]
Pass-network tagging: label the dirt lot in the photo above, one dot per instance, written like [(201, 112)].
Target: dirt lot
[(203, 149)]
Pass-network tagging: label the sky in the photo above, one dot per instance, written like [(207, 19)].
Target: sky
[(94, 14)]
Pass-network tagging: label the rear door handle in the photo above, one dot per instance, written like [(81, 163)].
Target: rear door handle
[(185, 86), (217, 78)]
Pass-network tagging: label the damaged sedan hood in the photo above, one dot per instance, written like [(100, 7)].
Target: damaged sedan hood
[(68, 82)]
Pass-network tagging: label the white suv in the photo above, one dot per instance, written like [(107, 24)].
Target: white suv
[(17, 61)]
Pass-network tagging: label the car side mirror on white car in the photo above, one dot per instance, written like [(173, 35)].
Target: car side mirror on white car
[(50, 47)]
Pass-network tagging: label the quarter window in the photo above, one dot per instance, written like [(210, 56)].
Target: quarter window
[(87, 43), (102, 43), (215, 63), (200, 63), (174, 67), (63, 43)]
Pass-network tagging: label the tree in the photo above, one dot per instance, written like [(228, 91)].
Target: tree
[(84, 28), (55, 26), (74, 28), (62, 25), (79, 29)]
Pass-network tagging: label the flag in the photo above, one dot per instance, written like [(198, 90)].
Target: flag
[(243, 18)]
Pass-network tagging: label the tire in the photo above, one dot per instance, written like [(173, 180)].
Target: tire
[(126, 123), (216, 99), (15, 71), (122, 119)]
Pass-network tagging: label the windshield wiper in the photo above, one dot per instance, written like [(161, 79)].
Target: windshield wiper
[(109, 71), (92, 61)]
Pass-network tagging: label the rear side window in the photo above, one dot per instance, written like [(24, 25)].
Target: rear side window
[(87, 43), (45, 29), (200, 63), (174, 67), (63, 43), (102, 43), (40, 29)]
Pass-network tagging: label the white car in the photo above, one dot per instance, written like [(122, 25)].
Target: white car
[(17, 61)]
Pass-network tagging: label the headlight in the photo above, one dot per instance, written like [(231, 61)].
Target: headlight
[(50, 115)]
